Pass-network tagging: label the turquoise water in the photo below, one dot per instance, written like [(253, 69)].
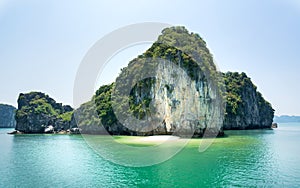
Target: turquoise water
[(253, 158)]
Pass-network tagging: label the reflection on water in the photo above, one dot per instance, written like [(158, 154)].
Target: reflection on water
[(254, 158)]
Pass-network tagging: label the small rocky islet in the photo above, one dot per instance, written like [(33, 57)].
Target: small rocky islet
[(39, 113), (200, 99)]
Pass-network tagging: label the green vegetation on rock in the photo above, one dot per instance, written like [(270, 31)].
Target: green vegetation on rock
[(104, 105), (66, 117), (37, 110)]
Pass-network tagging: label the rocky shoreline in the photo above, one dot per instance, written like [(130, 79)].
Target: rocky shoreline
[(62, 132)]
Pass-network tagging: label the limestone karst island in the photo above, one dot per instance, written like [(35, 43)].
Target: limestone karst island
[(186, 94), (149, 94)]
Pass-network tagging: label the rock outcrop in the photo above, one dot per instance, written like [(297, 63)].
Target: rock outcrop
[(274, 125), (183, 93), (170, 89), (7, 116), (37, 113), (245, 108)]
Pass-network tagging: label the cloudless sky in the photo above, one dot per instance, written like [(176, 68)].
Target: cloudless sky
[(42, 42)]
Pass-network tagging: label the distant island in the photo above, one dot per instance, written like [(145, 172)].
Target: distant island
[(169, 93), (7, 116), (286, 119)]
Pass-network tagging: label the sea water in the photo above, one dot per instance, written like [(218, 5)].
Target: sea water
[(250, 158)]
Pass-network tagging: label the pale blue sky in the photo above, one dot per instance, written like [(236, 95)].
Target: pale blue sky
[(42, 42)]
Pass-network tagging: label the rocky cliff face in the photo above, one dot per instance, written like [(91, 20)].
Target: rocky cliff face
[(172, 102), (170, 89), (37, 111), (7, 116), (246, 108)]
